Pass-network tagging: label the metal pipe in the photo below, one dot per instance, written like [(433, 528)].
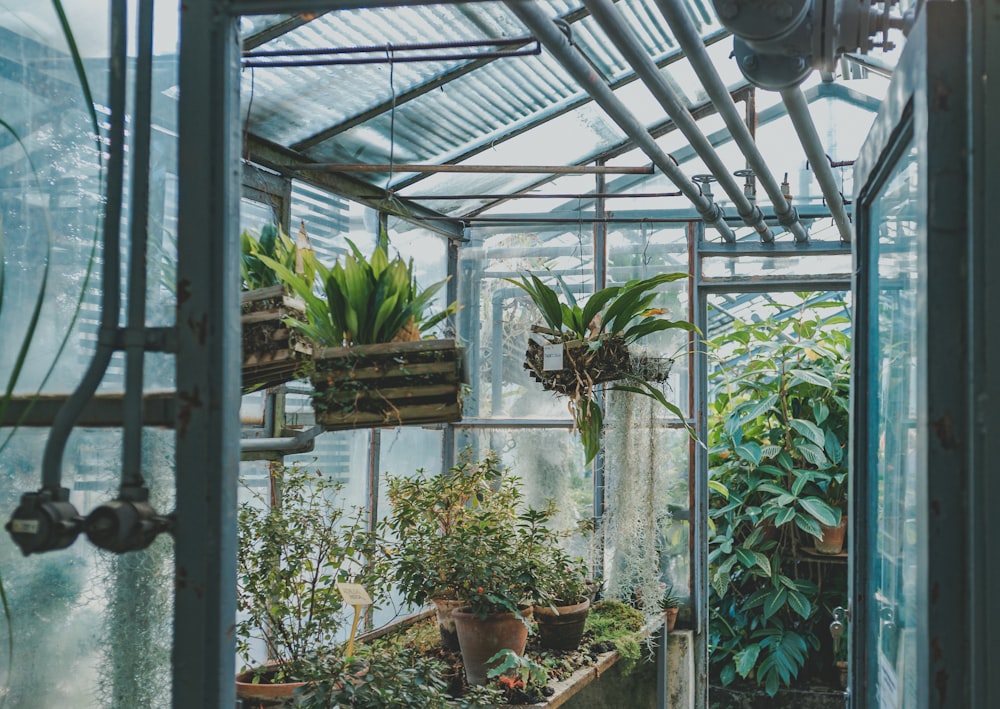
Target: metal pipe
[(135, 349), (798, 111), (490, 169), (690, 41), (624, 39), (546, 31), (107, 332), (515, 196)]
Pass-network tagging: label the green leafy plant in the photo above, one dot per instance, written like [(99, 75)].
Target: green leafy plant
[(274, 245), (519, 677), (669, 599), (291, 555), (386, 676), (595, 337), (431, 514), (777, 439), (362, 301)]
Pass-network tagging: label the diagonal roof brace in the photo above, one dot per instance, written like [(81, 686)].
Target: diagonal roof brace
[(689, 39), (553, 39), (624, 39)]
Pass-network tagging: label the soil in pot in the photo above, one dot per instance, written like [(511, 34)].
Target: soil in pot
[(480, 639), (562, 628)]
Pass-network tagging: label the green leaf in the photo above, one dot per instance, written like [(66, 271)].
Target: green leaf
[(757, 409), (808, 525), (820, 410), (770, 451), (745, 660), (809, 377), (813, 454), (749, 451), (775, 602), (719, 488), (810, 430), (820, 511), (596, 302), (799, 603), (834, 450)]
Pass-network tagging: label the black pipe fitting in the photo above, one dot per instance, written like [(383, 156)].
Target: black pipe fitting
[(45, 521)]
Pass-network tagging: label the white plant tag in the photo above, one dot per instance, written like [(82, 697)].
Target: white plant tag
[(552, 357), (354, 594)]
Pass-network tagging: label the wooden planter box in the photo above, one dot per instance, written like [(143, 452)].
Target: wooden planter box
[(391, 384), (273, 353)]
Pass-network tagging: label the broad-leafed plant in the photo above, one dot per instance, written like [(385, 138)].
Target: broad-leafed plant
[(612, 318), (361, 301), (273, 244), (777, 452), (292, 552)]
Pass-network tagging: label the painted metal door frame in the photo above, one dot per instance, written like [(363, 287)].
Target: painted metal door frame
[(928, 102)]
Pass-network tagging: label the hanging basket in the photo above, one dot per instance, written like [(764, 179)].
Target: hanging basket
[(585, 363), (273, 353), (390, 384)]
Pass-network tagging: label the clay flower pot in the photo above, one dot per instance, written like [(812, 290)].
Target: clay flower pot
[(263, 693), (562, 628), (832, 541), (480, 639), (446, 622)]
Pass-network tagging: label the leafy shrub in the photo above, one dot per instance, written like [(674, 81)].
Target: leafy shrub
[(777, 454)]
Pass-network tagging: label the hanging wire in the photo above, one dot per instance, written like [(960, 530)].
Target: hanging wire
[(246, 121), (392, 117)]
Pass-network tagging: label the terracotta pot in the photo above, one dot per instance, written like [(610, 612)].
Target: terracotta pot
[(263, 694), (832, 541), (446, 622), (671, 615), (481, 639), (562, 628)]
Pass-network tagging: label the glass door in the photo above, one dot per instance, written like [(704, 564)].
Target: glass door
[(908, 472)]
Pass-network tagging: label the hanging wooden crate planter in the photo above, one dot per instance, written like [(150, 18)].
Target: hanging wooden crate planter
[(583, 364), (273, 353), (390, 384)]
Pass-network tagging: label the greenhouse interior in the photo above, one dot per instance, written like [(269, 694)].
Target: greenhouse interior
[(575, 353)]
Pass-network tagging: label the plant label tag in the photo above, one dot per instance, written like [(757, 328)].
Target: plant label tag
[(552, 357), (354, 594)]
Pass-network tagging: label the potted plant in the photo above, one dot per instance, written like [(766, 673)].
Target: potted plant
[(273, 352), (670, 604), (427, 516), (371, 367), (562, 587), (293, 549), (595, 339)]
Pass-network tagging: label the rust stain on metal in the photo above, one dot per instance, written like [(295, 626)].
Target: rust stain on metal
[(200, 328), (180, 578), (189, 402), (941, 684), (936, 652), (183, 291), (941, 95), (935, 592), (936, 506), (944, 429)]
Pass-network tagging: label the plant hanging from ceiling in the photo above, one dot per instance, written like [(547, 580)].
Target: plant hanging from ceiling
[(594, 340)]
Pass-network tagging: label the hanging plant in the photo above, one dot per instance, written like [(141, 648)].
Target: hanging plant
[(372, 366), (594, 339), (273, 352)]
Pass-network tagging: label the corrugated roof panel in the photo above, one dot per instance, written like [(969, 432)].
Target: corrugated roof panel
[(329, 95)]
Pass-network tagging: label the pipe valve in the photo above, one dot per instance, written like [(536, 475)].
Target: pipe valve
[(44, 521), (124, 525)]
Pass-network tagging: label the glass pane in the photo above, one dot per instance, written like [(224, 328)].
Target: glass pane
[(894, 619), (90, 628), (497, 316)]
